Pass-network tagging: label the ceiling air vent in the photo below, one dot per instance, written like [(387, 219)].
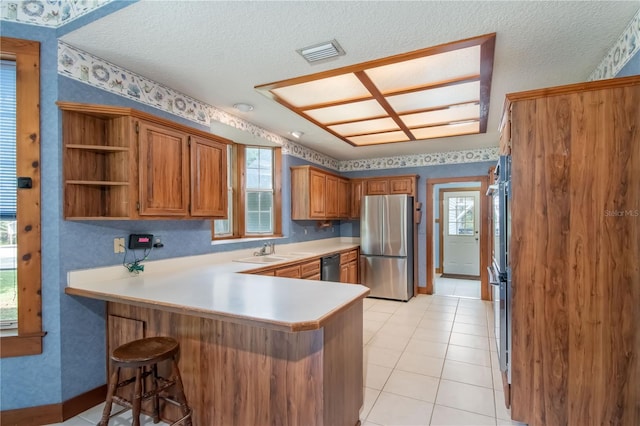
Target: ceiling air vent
[(322, 51)]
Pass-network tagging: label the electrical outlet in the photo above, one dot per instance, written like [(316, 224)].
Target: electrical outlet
[(118, 245)]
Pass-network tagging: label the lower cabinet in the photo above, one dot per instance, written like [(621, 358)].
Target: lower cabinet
[(349, 267), (310, 269)]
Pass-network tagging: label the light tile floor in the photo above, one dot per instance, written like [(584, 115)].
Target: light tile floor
[(429, 361), (456, 287)]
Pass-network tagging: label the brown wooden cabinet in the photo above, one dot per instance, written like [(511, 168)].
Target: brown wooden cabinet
[(120, 163), (357, 191), (318, 195), (405, 184), (573, 252), (349, 267)]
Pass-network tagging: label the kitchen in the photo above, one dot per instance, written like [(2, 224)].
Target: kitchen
[(65, 243)]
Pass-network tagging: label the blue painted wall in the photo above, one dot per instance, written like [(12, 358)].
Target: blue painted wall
[(632, 67)]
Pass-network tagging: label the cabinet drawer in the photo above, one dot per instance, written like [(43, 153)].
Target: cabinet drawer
[(348, 256), (310, 268), (315, 277), (289, 272)]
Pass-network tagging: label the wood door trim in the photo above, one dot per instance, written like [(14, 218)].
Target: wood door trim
[(441, 221), (484, 227)]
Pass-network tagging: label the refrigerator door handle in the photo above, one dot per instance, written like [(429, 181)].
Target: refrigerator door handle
[(493, 279)]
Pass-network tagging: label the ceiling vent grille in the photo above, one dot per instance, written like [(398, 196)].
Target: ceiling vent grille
[(321, 52)]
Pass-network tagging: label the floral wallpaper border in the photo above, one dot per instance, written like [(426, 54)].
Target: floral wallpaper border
[(627, 45), (47, 13), (89, 69), (421, 160)]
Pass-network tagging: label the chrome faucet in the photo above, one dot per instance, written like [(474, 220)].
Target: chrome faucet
[(263, 250)]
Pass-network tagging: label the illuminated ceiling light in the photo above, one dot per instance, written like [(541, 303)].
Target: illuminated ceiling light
[(242, 107), (296, 134)]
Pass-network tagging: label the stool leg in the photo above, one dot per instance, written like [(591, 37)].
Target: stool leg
[(180, 396), (137, 397), (156, 397), (113, 383)]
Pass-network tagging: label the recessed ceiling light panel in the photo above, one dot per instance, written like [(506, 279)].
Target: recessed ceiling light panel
[(321, 51)]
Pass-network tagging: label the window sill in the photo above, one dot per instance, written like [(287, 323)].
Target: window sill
[(23, 345), (233, 240)]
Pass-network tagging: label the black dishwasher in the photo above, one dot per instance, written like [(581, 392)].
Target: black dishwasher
[(331, 268)]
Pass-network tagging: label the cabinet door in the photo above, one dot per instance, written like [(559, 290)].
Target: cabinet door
[(208, 177), (317, 191), (352, 272), (332, 196), (344, 273), (164, 171), (402, 185), (289, 272), (344, 198), (378, 187), (356, 197)]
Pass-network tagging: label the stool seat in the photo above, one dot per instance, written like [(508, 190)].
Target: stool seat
[(144, 351), (143, 355)]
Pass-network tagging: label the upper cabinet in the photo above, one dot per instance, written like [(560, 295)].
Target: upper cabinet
[(405, 184), (318, 195), (120, 163)]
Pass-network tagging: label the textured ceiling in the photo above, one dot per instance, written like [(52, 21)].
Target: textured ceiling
[(217, 51)]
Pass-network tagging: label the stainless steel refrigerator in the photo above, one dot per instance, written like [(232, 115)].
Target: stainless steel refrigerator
[(386, 246)]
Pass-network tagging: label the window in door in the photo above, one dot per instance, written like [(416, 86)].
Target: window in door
[(461, 216)]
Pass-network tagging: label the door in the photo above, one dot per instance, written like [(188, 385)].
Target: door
[(387, 277), (396, 227), (371, 221), (461, 233), (164, 171)]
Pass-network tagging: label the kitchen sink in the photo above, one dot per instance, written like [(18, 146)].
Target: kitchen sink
[(267, 258)]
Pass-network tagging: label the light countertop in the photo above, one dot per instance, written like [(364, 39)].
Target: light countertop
[(214, 286)]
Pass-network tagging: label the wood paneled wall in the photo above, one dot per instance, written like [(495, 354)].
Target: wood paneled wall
[(239, 374), (575, 255)]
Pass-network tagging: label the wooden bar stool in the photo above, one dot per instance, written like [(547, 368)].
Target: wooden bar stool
[(144, 355)]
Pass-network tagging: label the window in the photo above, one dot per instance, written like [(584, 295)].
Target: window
[(461, 216), (20, 208), (254, 194)]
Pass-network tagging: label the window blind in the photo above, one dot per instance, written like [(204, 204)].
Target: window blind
[(7, 140)]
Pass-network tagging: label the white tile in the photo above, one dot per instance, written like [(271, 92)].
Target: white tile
[(386, 306), (392, 409), (439, 316), (367, 335), (424, 347), (413, 385), (368, 423), (476, 330), (372, 325), (497, 379), (469, 340), (465, 310), (469, 355), (442, 308), (405, 318), (370, 315), (434, 324), (440, 336), (466, 397), (421, 364), (74, 421), (94, 414), (502, 412), (375, 376), (370, 397), (389, 341), (447, 416), (450, 301), (471, 319), (383, 356), (397, 329), (467, 373)]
